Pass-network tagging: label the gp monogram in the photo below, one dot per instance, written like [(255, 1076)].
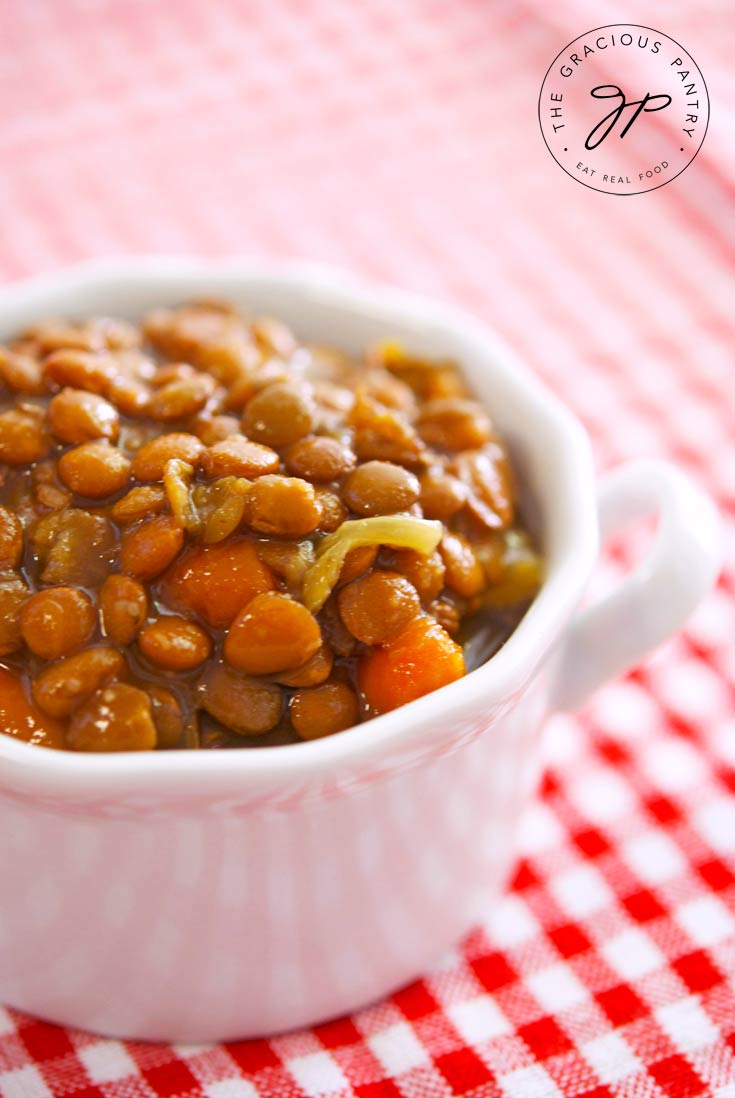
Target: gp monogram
[(623, 109)]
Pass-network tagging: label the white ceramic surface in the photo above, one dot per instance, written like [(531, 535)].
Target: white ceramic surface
[(197, 896)]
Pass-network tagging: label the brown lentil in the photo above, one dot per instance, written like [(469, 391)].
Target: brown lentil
[(59, 689), (94, 469), (168, 717), (453, 424), (487, 475), (324, 710), (319, 459), (123, 605), (442, 495), (129, 396), (181, 397), (117, 718), (315, 671), (73, 546), (11, 539), (356, 562), (382, 434), (273, 336), (278, 416), (464, 573), (174, 643), (426, 574), (47, 490), (273, 633), (21, 373), (13, 593), (213, 429), (380, 488), (79, 369), (148, 549), (172, 371), (283, 507), (334, 511), (78, 416), (150, 461), (55, 621), (447, 614), (245, 705), (376, 606), (239, 457), (23, 435), (139, 503), (335, 632)]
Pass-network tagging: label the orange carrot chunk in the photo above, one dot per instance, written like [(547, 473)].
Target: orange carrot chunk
[(419, 659), (21, 718), (216, 581)]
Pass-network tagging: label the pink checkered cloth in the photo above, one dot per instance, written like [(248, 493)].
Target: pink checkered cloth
[(401, 140)]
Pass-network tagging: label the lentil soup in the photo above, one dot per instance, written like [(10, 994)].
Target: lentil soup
[(213, 536)]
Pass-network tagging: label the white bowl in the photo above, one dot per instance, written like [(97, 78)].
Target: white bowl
[(212, 895)]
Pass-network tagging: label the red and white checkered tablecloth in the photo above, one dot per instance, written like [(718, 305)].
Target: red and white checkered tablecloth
[(401, 140)]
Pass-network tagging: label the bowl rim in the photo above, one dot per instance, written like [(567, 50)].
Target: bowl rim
[(494, 684)]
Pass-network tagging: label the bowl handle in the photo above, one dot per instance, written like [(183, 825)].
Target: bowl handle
[(655, 600)]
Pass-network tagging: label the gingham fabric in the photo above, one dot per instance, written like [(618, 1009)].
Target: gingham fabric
[(401, 140)]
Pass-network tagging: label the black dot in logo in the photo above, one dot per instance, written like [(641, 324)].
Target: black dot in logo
[(567, 150), (680, 150)]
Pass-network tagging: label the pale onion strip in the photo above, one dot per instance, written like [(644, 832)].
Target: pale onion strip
[(177, 477), (226, 516), (398, 531)]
